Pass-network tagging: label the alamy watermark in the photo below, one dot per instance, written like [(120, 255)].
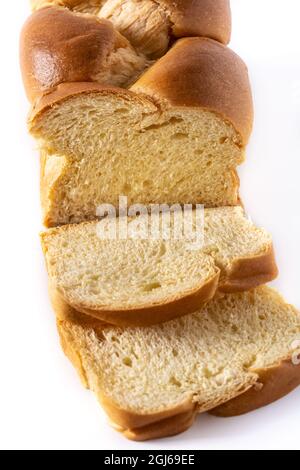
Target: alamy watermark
[(153, 222)]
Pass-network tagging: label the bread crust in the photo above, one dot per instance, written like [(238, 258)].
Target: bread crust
[(200, 72), (59, 46), (145, 315), (274, 383), (208, 18), (164, 424), (166, 428), (204, 18)]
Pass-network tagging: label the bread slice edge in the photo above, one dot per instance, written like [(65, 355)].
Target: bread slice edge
[(245, 274)]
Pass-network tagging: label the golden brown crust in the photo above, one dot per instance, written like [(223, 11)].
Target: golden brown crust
[(144, 316), (245, 274), (203, 18), (200, 72), (66, 91), (274, 383), (168, 422), (58, 46), (77, 5), (197, 73), (207, 18), (154, 314), (248, 273), (64, 312)]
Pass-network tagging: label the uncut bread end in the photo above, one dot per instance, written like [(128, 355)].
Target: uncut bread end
[(173, 138), (144, 281)]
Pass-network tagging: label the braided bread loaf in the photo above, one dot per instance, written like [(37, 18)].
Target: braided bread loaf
[(142, 98)]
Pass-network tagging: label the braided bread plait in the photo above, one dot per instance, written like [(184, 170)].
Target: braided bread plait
[(150, 25)]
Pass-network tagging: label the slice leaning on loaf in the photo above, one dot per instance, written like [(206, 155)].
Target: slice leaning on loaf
[(141, 282), (176, 137), (240, 349)]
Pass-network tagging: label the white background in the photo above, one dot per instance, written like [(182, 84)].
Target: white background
[(42, 404)]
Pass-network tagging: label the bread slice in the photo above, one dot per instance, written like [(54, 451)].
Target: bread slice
[(142, 281), (176, 137), (150, 25), (111, 45), (153, 381)]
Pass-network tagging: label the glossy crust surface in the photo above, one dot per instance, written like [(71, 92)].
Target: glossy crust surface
[(144, 316), (196, 73)]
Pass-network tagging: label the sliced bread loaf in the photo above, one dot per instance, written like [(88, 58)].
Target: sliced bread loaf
[(177, 136), (139, 281), (153, 381)]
